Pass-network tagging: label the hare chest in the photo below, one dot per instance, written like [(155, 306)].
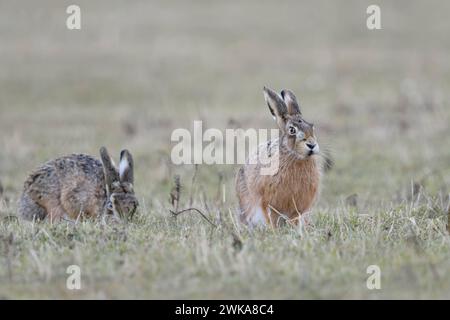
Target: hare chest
[(288, 194)]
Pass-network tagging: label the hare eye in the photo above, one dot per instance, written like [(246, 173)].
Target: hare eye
[(292, 130)]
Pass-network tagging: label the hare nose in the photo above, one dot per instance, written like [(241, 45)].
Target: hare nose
[(311, 145)]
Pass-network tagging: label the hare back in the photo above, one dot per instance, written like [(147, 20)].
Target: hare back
[(75, 183)]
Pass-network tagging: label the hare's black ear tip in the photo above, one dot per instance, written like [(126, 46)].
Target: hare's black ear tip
[(283, 93), (124, 153)]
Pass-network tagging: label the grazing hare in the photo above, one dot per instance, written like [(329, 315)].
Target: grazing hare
[(80, 185), (293, 189)]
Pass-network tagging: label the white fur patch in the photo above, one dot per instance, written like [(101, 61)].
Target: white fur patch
[(123, 166), (257, 218), (316, 149)]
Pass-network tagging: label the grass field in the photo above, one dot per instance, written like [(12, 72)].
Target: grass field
[(138, 70)]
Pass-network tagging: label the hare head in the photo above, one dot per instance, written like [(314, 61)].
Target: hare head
[(297, 135), (121, 200)]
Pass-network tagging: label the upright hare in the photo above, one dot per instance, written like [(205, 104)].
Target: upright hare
[(80, 185), (291, 192)]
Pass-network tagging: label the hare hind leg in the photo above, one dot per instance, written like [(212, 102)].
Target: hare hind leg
[(46, 208), (55, 211), (29, 209)]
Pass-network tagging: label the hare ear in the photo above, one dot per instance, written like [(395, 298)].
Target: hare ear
[(276, 106), (126, 167), (109, 169), (291, 102)]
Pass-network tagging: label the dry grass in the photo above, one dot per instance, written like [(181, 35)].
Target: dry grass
[(135, 72)]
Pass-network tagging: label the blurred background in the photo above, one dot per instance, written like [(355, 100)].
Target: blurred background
[(139, 69)]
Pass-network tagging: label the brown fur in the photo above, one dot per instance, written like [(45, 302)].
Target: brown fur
[(74, 186), (293, 190)]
